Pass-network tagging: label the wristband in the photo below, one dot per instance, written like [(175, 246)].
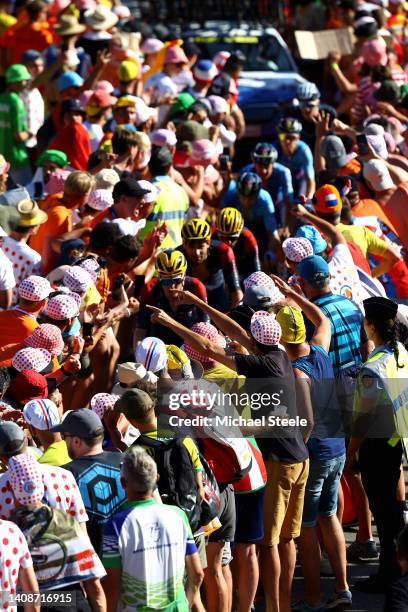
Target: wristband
[(334, 66)]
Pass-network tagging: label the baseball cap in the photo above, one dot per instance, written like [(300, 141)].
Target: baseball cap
[(41, 414), (77, 279), (99, 99), (47, 336), (54, 157), (16, 73), (34, 288), (12, 438), (28, 385), (297, 248), (261, 297), (292, 323), (29, 358), (106, 179), (258, 278), (377, 174), (133, 401), (314, 237), (327, 200), (163, 138), (153, 190), (100, 199), (374, 52), (30, 55), (83, 423), (313, 269), (151, 353), (175, 55), (265, 329), (126, 102), (334, 152), (161, 156), (127, 71), (182, 103), (62, 307), (102, 402), (151, 45), (130, 188), (379, 306), (205, 70), (69, 79)]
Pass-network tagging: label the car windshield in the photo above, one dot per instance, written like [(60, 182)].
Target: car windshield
[(262, 53)]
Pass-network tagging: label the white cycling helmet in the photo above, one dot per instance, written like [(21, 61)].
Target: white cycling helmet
[(307, 91)]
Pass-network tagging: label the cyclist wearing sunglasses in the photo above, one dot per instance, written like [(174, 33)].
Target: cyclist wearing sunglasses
[(308, 109), (276, 178), (296, 155), (229, 228), (171, 267)]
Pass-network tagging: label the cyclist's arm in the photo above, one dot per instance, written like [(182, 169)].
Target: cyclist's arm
[(251, 251), (309, 171), (231, 277)]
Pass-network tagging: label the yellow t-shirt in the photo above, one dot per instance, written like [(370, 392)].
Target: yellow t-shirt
[(224, 377), (363, 237), (56, 454)]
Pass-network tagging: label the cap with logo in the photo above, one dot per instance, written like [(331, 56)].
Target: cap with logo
[(327, 200), (151, 353), (41, 414), (26, 479), (292, 323)]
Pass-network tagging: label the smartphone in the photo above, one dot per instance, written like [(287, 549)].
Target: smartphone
[(362, 144), (224, 162)]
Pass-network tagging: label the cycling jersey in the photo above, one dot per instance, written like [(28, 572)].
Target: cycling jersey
[(219, 271), (279, 187), (246, 253), (300, 165), (187, 314), (260, 218)]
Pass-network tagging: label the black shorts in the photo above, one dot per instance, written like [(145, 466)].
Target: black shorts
[(249, 510), (227, 517)]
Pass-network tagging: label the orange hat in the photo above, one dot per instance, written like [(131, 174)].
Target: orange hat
[(327, 200)]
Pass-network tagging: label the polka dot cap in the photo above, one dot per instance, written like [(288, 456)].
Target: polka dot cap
[(47, 336), (62, 307), (100, 199), (265, 328), (207, 331), (296, 249), (91, 266), (102, 402), (77, 279), (34, 288), (258, 278), (26, 479), (36, 359)]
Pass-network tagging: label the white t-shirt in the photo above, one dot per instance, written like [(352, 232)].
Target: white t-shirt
[(61, 492), (24, 259), (14, 556), (161, 85), (149, 542), (6, 272)]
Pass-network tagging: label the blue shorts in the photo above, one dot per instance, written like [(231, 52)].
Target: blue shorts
[(249, 511), (322, 489)]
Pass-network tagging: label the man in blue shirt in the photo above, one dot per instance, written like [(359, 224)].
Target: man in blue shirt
[(256, 206), (276, 178), (297, 156)]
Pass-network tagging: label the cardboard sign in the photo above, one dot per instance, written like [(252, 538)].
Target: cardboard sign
[(317, 45)]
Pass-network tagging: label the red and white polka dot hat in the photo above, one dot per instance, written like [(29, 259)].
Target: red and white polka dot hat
[(26, 479), (258, 278), (77, 279), (102, 402), (91, 265), (296, 249), (47, 336), (34, 288), (62, 307), (265, 328), (100, 199), (36, 359), (207, 331)]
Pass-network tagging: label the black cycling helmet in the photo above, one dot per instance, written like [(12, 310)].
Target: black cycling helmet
[(249, 184), (264, 153), (289, 125)]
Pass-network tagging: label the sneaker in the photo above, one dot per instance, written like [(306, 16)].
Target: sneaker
[(340, 600), (302, 606), (360, 553)]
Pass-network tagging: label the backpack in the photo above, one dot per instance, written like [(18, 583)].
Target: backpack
[(177, 483), (229, 458)]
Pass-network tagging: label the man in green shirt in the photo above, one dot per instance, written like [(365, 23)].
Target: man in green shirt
[(13, 125)]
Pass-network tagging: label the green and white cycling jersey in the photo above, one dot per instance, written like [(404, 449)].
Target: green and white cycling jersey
[(149, 541)]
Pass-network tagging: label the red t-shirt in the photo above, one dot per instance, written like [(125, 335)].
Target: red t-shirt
[(74, 141)]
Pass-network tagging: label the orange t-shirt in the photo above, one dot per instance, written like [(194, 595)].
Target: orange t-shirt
[(15, 326), (396, 210), (354, 167), (21, 37), (369, 207), (103, 284), (59, 221)]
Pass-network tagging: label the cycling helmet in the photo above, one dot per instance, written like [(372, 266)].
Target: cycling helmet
[(195, 229), (229, 222), (249, 184), (264, 153), (307, 92), (288, 125), (171, 264)]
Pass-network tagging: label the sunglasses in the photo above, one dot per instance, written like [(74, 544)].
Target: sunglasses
[(168, 282), (288, 137)]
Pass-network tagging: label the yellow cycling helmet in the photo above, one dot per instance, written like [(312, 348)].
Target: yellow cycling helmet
[(229, 222), (171, 264), (195, 229)]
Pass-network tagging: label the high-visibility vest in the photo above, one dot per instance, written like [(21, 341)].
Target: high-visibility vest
[(394, 382)]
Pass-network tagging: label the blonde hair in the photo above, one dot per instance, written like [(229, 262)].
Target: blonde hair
[(143, 141), (78, 184)]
